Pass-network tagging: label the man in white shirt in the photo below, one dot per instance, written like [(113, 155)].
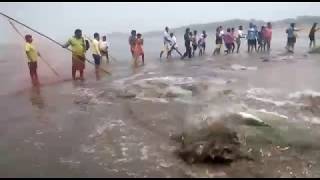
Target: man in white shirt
[(238, 37), (173, 45), (104, 46), (166, 41)]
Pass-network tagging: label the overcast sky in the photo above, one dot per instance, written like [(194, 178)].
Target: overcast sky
[(60, 19)]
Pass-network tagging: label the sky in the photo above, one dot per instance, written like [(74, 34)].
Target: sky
[(59, 19)]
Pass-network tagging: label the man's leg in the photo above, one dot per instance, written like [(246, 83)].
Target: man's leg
[(185, 53), (188, 51), (107, 55), (142, 58), (73, 72), (310, 43)]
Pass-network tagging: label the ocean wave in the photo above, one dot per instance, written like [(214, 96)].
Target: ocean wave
[(273, 102), (240, 67), (303, 94)]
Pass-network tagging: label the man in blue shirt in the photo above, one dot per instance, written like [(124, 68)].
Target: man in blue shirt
[(292, 37), (252, 38)]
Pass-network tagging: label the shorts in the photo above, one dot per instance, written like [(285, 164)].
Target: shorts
[(252, 42), (194, 47), (229, 46), (33, 66), (291, 40), (238, 41), (218, 41), (219, 46), (97, 59), (311, 38), (165, 47), (78, 62)]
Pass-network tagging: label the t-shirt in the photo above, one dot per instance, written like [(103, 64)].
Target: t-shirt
[(187, 39), (228, 38), (104, 45), (312, 32), (203, 37), (251, 34), (268, 33), (195, 39), (219, 37), (31, 52), (95, 47), (77, 46), (166, 37), (290, 32), (132, 40), (201, 40), (240, 34), (173, 40)]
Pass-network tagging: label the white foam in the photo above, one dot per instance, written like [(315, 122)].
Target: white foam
[(306, 93), (240, 67), (273, 113), (249, 116), (155, 100), (124, 80), (276, 103), (107, 125), (172, 80), (260, 91), (177, 91), (144, 152)]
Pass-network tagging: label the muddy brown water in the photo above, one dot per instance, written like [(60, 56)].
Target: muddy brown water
[(89, 129)]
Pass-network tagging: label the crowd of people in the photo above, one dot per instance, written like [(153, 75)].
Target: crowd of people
[(258, 40), (231, 40)]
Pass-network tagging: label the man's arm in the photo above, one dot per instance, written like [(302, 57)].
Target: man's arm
[(66, 45)]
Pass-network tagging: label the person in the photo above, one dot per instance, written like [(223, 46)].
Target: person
[(201, 44), (251, 37), (312, 35), (166, 42), (204, 35), (96, 54), (267, 36), (233, 34), (260, 39), (228, 41), (255, 27), (219, 36), (138, 49), (104, 48), (132, 40), (173, 45), (190, 37), (194, 42), (238, 38), (292, 37), (32, 55), (79, 48), (187, 42)]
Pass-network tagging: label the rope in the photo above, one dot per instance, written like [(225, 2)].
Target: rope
[(54, 41), (51, 68)]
